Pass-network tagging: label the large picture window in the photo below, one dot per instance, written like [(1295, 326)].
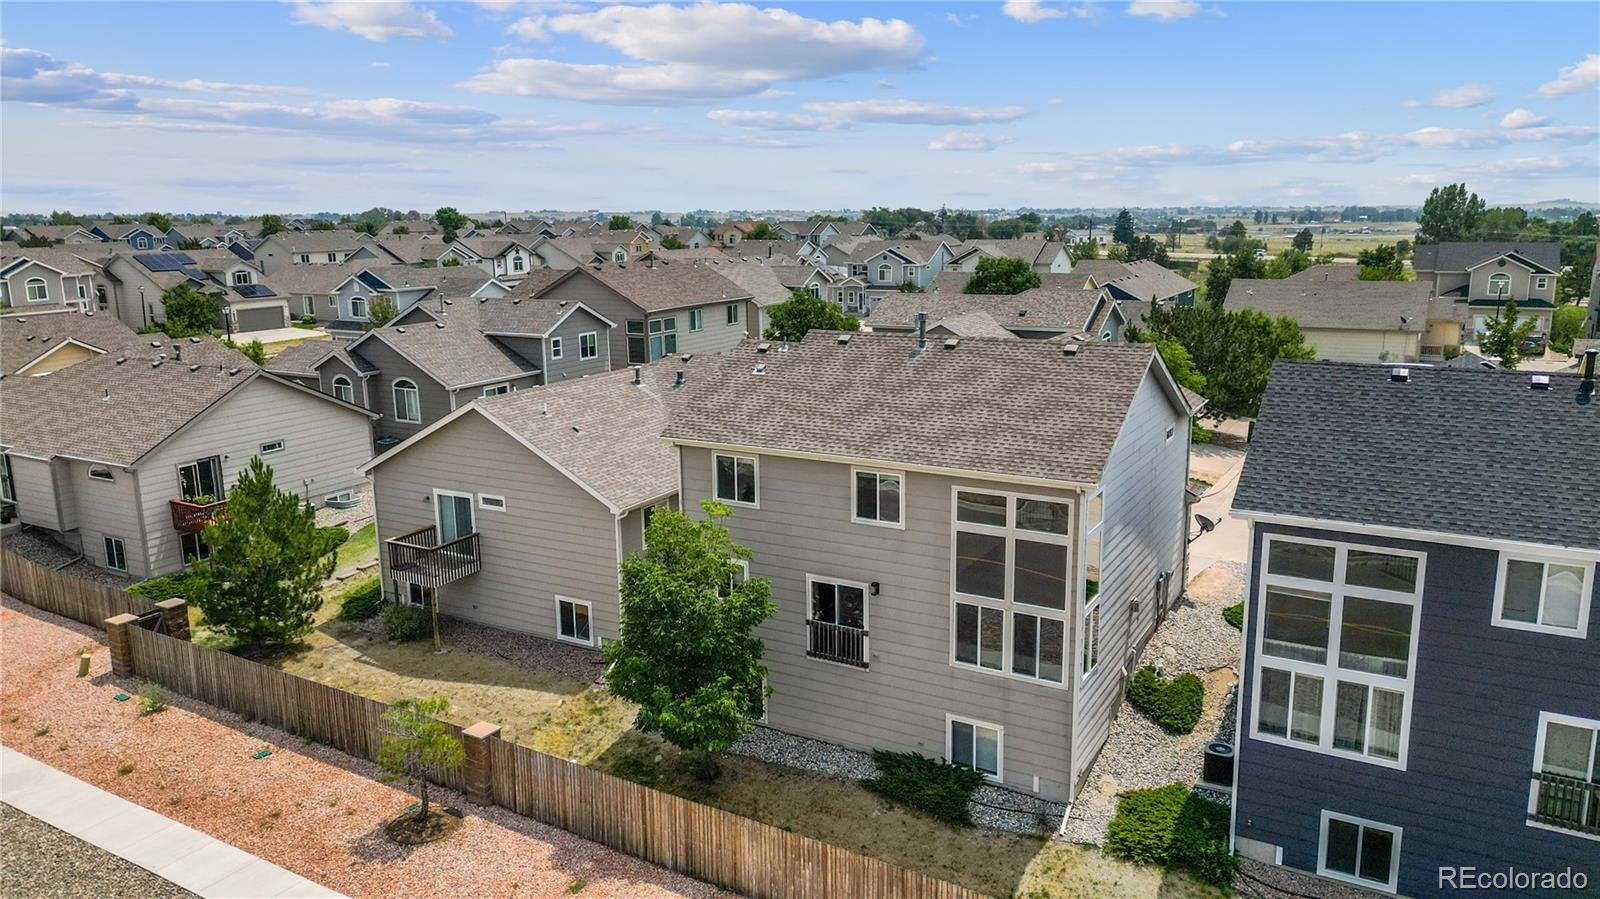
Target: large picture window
[(663, 337), (1011, 579), (1335, 647)]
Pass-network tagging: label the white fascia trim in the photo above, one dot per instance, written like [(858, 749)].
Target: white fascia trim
[(1581, 553), (497, 379), (278, 379), (890, 464)]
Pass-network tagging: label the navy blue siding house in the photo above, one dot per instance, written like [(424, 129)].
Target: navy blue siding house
[(1420, 701)]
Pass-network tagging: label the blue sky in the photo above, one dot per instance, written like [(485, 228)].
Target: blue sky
[(502, 104)]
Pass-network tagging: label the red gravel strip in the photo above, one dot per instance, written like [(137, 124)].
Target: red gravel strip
[(308, 808)]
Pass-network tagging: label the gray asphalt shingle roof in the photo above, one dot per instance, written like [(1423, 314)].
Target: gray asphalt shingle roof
[(1005, 407), (1345, 305), (1458, 256), (655, 288), (1340, 442), (1039, 309)]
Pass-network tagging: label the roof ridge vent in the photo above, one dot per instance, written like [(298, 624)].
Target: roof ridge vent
[(1539, 382), (1399, 375)]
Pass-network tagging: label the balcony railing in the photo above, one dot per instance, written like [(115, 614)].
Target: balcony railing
[(837, 643), (190, 517), (418, 557), (1569, 803)]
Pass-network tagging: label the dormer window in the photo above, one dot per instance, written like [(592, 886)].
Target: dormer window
[(241, 278)]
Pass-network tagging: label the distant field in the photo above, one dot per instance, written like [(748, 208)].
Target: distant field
[(1340, 239)]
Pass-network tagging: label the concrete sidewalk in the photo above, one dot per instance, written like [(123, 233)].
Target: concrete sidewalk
[(193, 860)]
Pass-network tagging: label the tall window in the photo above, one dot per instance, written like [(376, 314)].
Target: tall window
[(1499, 285), (453, 515), (358, 307), (308, 305), (836, 621), (636, 342), (1335, 645), (517, 263), (696, 319), (1011, 583), (1566, 775), (1359, 851), (878, 498), (116, 554), (343, 389), (735, 478), (733, 313), (589, 345), (37, 292), (1546, 595), (663, 337), (201, 479), (1094, 521), (406, 404), (885, 272), (975, 745), (555, 348)]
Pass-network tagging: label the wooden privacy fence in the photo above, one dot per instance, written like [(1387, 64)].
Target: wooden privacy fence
[(65, 595), (706, 843)]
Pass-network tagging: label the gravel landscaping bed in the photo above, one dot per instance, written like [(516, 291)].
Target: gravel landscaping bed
[(993, 807), (1138, 754), (43, 551), (523, 650), (1258, 880), (39, 861), (353, 517), (308, 808)]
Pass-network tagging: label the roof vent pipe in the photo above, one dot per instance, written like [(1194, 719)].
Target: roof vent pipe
[(922, 331), (1591, 360), (678, 382), (636, 369)]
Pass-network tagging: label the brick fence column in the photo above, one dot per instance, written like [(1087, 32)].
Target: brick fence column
[(479, 767), (121, 645), (176, 613)]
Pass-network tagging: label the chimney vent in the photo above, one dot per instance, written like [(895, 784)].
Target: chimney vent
[(678, 382), (544, 409), (922, 331), (1586, 386), (759, 370), (636, 369), (1399, 375)]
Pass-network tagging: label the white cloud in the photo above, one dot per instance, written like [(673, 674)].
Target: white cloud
[(969, 141), (1165, 10), (701, 53), (774, 121), (378, 65), (1030, 10), (375, 21), (529, 28), (1536, 167), (37, 77), (1464, 97), (1418, 180), (1582, 75), (1522, 118), (913, 112)]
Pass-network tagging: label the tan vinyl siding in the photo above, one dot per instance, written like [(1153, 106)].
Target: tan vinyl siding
[(803, 527), (33, 481), (323, 444), (1143, 536), (1343, 345), (715, 335), (553, 537), (107, 509)]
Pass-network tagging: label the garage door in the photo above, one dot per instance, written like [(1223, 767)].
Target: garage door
[(260, 319)]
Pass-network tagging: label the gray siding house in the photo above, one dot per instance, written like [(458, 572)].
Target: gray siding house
[(969, 571), (1482, 275), (1421, 685), (124, 454), (515, 510)]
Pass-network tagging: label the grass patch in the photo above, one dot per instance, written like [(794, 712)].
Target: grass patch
[(360, 599), (152, 698), (1066, 871), (1234, 615), (43, 731), (124, 769), (1175, 827), (1174, 704), (937, 787), (361, 547)]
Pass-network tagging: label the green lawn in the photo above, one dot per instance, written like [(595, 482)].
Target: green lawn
[(361, 547)]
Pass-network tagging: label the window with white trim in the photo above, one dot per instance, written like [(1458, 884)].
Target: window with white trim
[(589, 345), (305, 257), (308, 305), (975, 745), (1547, 595), (517, 264), (885, 272), (272, 446), (663, 337), (333, 257), (37, 291), (734, 479), (101, 473), (572, 621), (555, 348), (1565, 791), (343, 389), (877, 498), (1089, 642), (116, 554), (1499, 285), (407, 406), (696, 319), (1359, 851), (1335, 641), (1010, 578), (498, 389), (240, 278), (836, 621), (733, 313), (83, 292), (491, 502), (358, 307), (1540, 283)]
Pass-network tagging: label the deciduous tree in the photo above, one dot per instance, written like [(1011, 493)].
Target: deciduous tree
[(763, 231), (1381, 263), (619, 223), (1304, 240), (189, 312), (801, 313), (416, 744), (1450, 213), (1001, 275), (1221, 271), (380, 311), (1233, 350), (1503, 335)]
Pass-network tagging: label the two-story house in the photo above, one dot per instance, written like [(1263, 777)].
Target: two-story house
[(1421, 684), (1484, 274), (506, 257), (53, 277), (427, 363), (1041, 313), (247, 302), (885, 265), (732, 231), (661, 308), (968, 539), (121, 447), (515, 510), (405, 286), (1043, 256), (288, 248)]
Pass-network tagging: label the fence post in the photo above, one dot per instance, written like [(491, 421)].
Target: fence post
[(121, 644), (176, 613), (479, 767)]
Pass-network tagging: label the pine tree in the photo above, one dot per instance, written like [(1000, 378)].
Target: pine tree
[(1122, 230), (1504, 334), (416, 744)]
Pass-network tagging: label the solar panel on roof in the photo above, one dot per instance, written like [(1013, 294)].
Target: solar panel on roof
[(254, 291), (164, 262)]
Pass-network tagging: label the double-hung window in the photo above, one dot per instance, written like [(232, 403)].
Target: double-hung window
[(1011, 583), (1359, 851), (733, 313), (877, 498), (407, 407), (1547, 595), (734, 479), (589, 345), (975, 745), (343, 389), (1565, 792), (1335, 643), (696, 319), (836, 621), (358, 307), (663, 337), (555, 348)]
